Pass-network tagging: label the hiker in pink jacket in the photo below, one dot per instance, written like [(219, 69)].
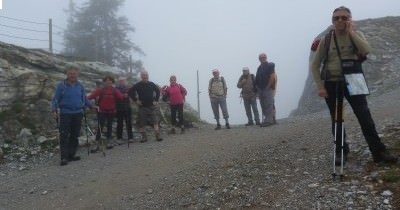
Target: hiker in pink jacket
[(175, 93)]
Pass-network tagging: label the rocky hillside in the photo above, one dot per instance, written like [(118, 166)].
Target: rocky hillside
[(28, 78), (381, 69), (27, 81)]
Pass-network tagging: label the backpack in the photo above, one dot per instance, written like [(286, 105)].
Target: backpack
[(222, 80)]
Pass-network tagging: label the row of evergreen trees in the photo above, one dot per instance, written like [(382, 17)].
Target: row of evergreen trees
[(96, 32)]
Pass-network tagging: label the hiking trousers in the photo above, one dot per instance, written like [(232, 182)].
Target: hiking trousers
[(216, 102), (267, 102), (124, 116), (105, 118), (251, 104), (360, 108), (176, 109), (70, 128)]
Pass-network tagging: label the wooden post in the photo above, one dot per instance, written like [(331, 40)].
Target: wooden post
[(51, 36), (198, 95)]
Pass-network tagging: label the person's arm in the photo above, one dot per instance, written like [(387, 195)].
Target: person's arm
[(56, 99), (315, 69), (241, 82), (119, 95), (361, 43), (94, 94), (88, 103), (157, 91)]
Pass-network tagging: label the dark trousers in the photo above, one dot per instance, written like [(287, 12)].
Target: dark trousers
[(124, 116), (178, 108), (70, 128), (105, 118), (360, 108)]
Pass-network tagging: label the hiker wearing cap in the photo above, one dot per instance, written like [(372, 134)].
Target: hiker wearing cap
[(217, 91), (249, 92), (124, 112), (146, 95), (265, 83), (331, 85), (68, 106)]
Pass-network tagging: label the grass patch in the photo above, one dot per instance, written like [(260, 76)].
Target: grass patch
[(391, 176)]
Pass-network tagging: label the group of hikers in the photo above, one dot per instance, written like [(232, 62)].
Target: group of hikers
[(342, 43), (70, 102), (262, 86)]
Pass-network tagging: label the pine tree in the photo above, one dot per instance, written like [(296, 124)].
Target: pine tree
[(95, 32)]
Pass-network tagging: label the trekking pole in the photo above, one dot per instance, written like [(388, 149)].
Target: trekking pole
[(87, 131), (58, 134), (339, 129), (100, 132)]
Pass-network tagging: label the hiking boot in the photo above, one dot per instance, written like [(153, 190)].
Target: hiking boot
[(227, 126), (266, 124), (74, 158), (144, 137), (182, 130), (249, 124), (258, 123), (63, 162), (158, 136), (385, 157), (218, 127), (95, 149), (109, 145), (172, 131), (119, 141)]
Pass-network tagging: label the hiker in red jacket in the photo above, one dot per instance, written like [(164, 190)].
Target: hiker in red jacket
[(176, 94), (107, 97)]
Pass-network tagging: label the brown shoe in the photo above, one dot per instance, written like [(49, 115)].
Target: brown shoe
[(385, 157), (158, 136)]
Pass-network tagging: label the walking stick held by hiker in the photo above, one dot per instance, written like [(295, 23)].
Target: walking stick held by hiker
[(87, 131), (339, 129), (59, 132), (100, 133)]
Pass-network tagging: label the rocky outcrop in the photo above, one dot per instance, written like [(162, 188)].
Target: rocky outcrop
[(381, 68), (27, 81)]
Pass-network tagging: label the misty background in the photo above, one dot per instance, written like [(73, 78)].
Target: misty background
[(181, 37)]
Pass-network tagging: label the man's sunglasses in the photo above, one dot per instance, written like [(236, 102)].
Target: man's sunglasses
[(344, 18)]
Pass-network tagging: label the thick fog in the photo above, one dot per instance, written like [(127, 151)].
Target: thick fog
[(181, 37)]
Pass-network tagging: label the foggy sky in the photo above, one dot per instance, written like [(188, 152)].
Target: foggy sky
[(182, 36)]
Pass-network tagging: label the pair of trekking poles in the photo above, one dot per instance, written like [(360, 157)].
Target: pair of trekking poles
[(339, 130), (100, 132), (87, 131)]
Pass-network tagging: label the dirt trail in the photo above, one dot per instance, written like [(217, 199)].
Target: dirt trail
[(158, 174)]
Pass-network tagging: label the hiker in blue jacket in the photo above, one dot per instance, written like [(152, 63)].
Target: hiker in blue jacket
[(68, 105)]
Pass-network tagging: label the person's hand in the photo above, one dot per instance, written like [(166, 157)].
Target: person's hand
[(349, 26), (155, 103), (139, 103), (95, 107), (322, 92), (55, 114)]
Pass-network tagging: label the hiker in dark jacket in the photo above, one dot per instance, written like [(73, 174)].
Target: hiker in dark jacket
[(68, 105), (249, 94), (265, 83), (146, 95), (124, 112), (107, 98)]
